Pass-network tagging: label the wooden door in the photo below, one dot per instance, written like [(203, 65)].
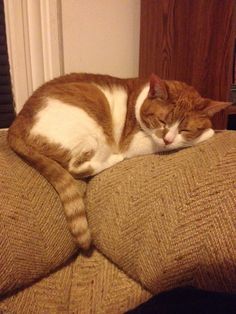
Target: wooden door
[(191, 41)]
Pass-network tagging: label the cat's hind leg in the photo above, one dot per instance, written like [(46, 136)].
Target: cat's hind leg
[(81, 155), (94, 165), (91, 156), (112, 160)]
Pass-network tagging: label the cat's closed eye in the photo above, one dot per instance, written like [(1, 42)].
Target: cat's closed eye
[(162, 121)]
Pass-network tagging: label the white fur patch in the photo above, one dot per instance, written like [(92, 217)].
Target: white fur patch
[(141, 97), (117, 98), (142, 144), (65, 124), (204, 136)]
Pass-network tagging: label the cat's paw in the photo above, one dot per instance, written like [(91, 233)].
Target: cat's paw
[(78, 160)]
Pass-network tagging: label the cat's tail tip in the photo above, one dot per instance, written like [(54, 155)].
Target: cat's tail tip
[(84, 241), (79, 229)]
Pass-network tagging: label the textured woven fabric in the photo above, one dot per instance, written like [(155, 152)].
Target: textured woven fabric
[(169, 220), (164, 220), (87, 285), (34, 238)]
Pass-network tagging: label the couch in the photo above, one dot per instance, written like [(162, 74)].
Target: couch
[(158, 222)]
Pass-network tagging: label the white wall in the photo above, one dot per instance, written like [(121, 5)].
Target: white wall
[(47, 38), (101, 36)]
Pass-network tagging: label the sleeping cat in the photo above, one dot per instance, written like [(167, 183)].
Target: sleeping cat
[(77, 125)]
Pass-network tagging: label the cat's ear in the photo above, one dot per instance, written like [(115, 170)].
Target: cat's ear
[(210, 107), (157, 88)]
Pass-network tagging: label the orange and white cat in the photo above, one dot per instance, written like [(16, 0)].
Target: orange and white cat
[(77, 125)]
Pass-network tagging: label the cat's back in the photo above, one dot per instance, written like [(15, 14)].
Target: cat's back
[(71, 103)]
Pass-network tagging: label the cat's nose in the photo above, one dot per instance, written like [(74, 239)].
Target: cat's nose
[(167, 142)]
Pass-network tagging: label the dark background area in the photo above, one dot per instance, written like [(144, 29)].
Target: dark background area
[(7, 113)]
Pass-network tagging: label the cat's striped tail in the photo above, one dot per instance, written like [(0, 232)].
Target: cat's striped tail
[(65, 185)]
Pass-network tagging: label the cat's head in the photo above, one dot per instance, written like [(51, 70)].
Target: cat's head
[(174, 114)]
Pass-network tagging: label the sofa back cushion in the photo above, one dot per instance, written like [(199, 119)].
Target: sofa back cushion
[(169, 220)]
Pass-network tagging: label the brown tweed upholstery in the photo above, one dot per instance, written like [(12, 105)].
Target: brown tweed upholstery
[(34, 238), (170, 220), (164, 220), (91, 284)]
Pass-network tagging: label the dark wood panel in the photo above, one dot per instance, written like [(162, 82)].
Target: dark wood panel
[(191, 41)]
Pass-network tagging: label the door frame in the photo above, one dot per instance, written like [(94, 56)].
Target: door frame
[(35, 44)]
